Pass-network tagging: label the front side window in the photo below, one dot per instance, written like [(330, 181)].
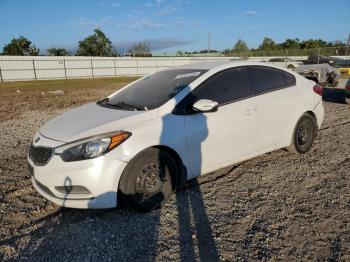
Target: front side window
[(224, 87), (264, 79), (154, 90)]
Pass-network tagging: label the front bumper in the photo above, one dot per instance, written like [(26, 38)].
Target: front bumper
[(100, 176)]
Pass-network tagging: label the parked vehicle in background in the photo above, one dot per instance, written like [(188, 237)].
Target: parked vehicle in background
[(323, 74), (285, 62), (347, 92), (332, 61), (141, 143)]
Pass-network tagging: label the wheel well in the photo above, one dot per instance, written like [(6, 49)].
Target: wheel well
[(183, 170), (313, 116)]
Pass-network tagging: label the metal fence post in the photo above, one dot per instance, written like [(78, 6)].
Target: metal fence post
[(34, 70), (2, 80), (92, 69), (65, 70), (115, 68), (137, 66)]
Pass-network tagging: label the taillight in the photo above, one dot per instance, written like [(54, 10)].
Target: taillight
[(318, 90), (347, 87)]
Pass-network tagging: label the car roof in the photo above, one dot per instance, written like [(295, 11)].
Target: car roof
[(204, 65), (209, 65)]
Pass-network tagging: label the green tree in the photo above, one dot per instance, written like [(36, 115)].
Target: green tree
[(268, 45), (96, 44), (20, 46), (58, 52), (240, 47), (291, 44), (313, 43)]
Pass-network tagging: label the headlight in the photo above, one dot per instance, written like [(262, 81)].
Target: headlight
[(91, 148)]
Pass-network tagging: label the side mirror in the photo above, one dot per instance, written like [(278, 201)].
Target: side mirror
[(205, 105)]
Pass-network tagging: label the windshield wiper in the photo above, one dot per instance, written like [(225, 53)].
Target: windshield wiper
[(121, 105), (125, 106), (103, 101)]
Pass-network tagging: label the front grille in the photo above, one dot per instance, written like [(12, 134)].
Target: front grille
[(40, 155)]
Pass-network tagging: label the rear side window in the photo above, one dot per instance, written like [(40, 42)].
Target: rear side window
[(264, 79), (224, 87)]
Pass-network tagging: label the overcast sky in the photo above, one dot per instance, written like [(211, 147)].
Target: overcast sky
[(172, 25)]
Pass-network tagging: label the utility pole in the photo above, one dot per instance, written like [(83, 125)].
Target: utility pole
[(209, 39), (347, 45)]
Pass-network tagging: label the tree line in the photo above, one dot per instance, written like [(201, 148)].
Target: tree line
[(288, 47), (98, 44)]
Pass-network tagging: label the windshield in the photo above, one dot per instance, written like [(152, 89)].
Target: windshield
[(154, 90)]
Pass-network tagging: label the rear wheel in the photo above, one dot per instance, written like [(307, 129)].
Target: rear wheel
[(304, 135), (149, 180)]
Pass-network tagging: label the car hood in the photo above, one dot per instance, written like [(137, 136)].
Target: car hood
[(90, 120)]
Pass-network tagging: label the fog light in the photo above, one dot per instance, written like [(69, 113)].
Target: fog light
[(72, 190)]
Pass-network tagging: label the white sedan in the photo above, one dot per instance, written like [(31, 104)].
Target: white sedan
[(138, 145)]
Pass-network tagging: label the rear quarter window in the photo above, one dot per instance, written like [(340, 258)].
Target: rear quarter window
[(265, 79), (290, 79)]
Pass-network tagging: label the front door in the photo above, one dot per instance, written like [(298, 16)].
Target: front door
[(217, 139)]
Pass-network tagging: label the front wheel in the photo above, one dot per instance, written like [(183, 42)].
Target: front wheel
[(149, 180), (304, 135)]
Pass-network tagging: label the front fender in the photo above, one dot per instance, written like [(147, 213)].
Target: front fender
[(168, 131)]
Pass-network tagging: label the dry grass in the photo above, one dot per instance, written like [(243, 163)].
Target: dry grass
[(18, 97)]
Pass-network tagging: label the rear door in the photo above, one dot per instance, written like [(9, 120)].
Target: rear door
[(279, 99), (216, 139)]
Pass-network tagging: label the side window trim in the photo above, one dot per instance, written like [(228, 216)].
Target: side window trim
[(179, 111)]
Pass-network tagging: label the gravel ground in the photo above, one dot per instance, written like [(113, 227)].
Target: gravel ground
[(277, 206)]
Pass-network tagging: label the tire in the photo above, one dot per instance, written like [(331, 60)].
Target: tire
[(149, 180), (291, 67), (304, 135)]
